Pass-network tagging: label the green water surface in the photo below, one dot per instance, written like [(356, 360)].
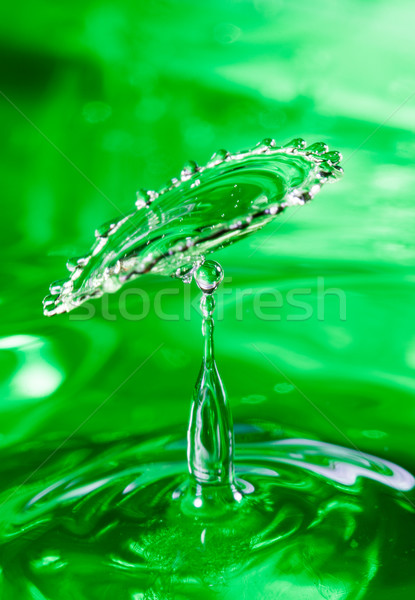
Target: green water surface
[(313, 323)]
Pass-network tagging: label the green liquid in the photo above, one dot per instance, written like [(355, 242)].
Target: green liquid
[(106, 520), (128, 91), (288, 517), (210, 439), (282, 518), (206, 209)]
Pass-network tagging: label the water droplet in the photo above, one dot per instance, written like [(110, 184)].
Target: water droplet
[(150, 239), (50, 300), (102, 230), (317, 148), (296, 143), (266, 144), (143, 198), (218, 157), (189, 169), (77, 261), (208, 276), (56, 287), (51, 305), (333, 157)]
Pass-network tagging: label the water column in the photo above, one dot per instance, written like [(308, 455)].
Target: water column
[(210, 439)]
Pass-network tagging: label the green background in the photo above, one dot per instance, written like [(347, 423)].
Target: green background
[(102, 98)]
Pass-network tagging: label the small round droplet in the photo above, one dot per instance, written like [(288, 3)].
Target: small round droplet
[(333, 157), (297, 143), (49, 300), (56, 287), (208, 276), (51, 306), (104, 230), (318, 148), (266, 144), (142, 198), (209, 207), (76, 262), (219, 156), (189, 169)]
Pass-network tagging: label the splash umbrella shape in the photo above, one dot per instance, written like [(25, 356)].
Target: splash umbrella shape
[(207, 208)]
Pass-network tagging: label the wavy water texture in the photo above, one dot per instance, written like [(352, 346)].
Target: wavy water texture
[(105, 519), (205, 209)]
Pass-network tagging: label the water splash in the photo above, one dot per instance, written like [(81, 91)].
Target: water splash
[(210, 438), (205, 209), (105, 519), (210, 433)]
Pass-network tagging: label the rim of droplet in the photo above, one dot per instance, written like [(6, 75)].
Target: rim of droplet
[(63, 298)]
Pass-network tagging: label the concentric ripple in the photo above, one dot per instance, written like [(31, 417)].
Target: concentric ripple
[(313, 521)]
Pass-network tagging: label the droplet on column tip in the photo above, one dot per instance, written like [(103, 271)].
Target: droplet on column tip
[(208, 276)]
